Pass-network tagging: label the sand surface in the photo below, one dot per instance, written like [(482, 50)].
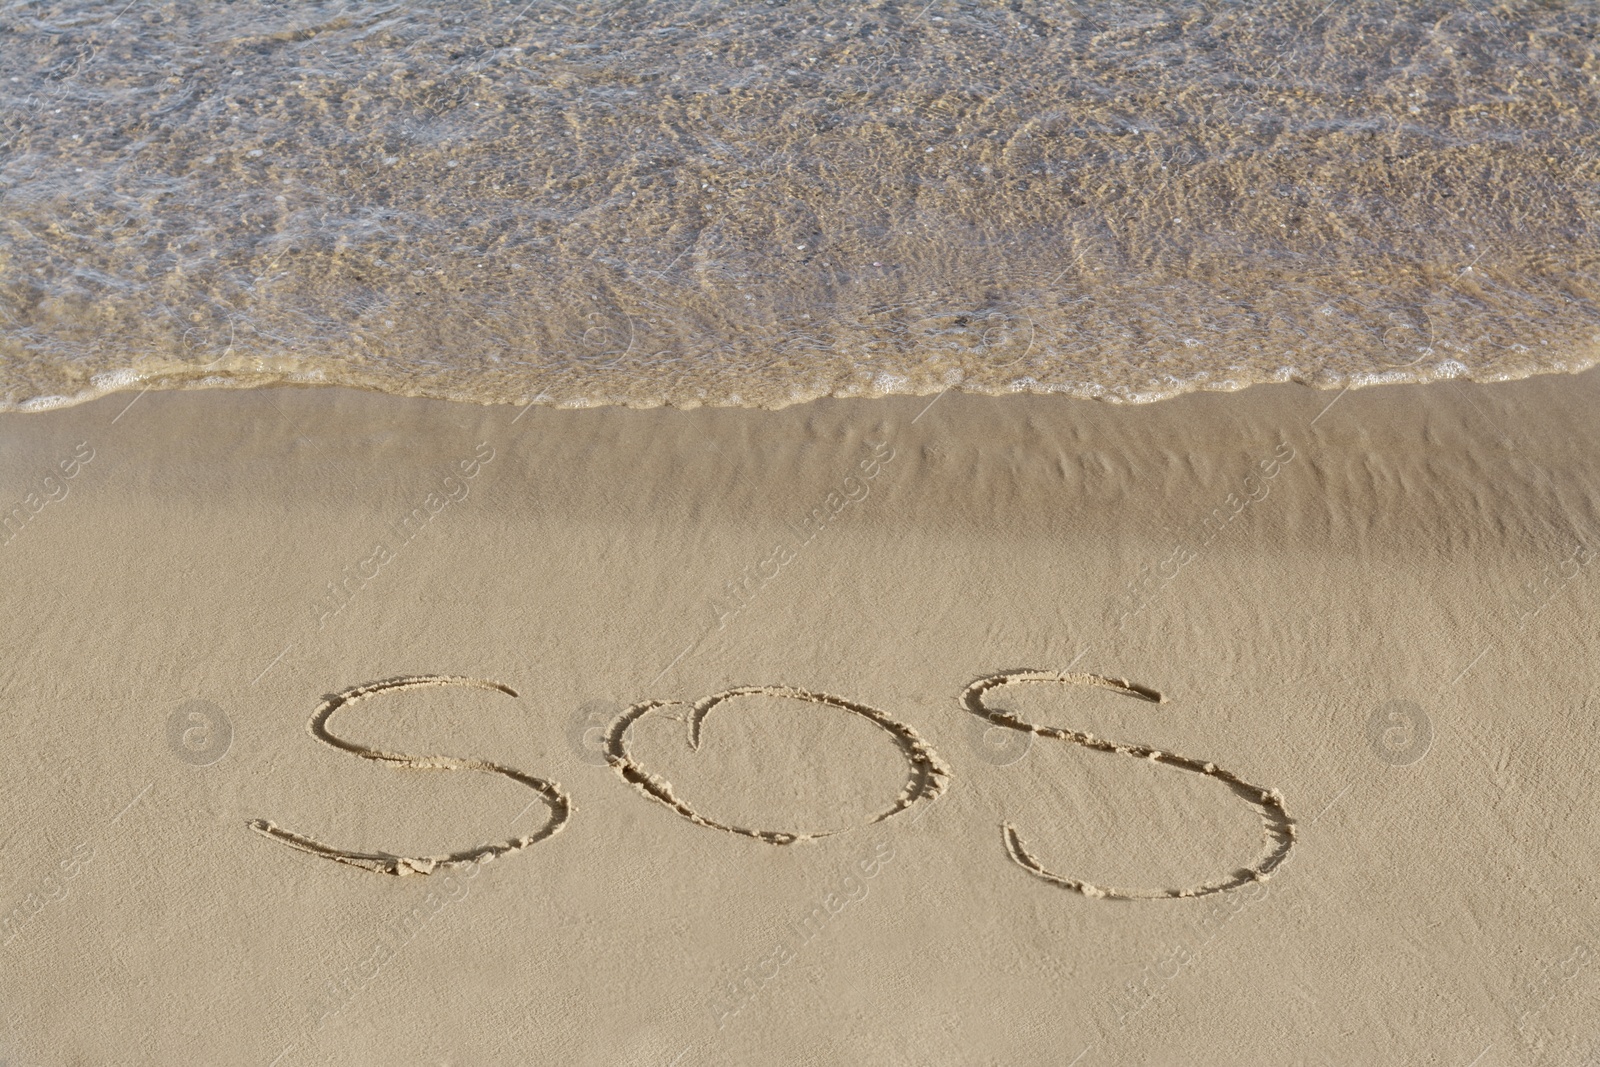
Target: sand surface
[(1383, 610)]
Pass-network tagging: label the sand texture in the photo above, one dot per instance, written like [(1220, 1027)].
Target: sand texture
[(1236, 729)]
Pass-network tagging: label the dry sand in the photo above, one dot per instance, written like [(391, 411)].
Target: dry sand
[(1383, 609)]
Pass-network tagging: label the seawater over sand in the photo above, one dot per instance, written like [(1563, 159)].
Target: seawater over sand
[(762, 203)]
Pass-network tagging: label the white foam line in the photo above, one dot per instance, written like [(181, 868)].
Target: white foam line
[(1482, 1054), (1081, 1055)]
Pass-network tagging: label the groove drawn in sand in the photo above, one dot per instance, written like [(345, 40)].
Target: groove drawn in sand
[(383, 862), (925, 782), (1277, 826)]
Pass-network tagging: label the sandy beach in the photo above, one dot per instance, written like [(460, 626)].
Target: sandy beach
[(901, 534), (1293, 766)]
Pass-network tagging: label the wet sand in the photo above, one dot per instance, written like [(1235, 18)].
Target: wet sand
[(1324, 662)]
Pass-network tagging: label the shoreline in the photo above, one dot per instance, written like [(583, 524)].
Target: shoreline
[(1447, 371)]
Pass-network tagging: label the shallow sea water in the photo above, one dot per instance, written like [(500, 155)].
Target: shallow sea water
[(763, 203)]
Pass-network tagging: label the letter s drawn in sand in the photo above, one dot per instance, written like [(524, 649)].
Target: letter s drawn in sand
[(382, 862), (925, 781), (1278, 828)]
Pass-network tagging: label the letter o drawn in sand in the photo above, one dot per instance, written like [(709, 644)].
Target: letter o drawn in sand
[(925, 782), (383, 862), (1278, 828)]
